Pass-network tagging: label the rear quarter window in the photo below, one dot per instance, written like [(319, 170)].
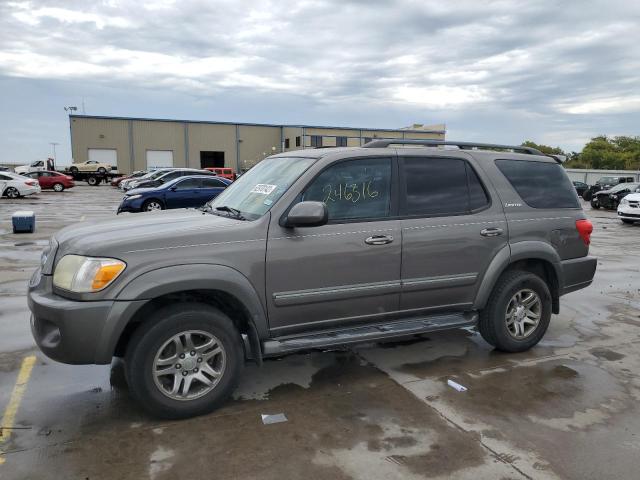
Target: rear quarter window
[(540, 184)]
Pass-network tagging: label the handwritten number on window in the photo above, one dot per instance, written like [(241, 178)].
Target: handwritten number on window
[(350, 192)]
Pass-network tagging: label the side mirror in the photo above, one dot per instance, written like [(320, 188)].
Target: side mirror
[(174, 188), (307, 214)]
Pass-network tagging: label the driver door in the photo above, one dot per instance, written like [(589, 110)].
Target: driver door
[(346, 272), (184, 193)]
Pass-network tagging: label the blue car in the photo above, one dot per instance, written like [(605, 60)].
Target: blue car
[(183, 192)]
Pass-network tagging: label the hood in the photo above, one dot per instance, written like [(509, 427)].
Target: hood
[(151, 230), (633, 197), (137, 190)]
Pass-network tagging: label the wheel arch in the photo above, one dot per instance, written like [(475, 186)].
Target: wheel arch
[(532, 256), (219, 286)]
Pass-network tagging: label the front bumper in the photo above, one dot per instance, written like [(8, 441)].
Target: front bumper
[(75, 332), (30, 191), (578, 273), (132, 206), (629, 213)]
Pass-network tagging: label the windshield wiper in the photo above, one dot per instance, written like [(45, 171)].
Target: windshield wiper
[(234, 212)]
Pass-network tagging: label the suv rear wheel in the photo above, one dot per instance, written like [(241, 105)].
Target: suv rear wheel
[(518, 312), (186, 362)]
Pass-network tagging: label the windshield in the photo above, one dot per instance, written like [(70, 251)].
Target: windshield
[(255, 191), (624, 186), (607, 180), (156, 174)]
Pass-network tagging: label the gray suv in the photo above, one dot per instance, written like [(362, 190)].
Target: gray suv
[(312, 249)]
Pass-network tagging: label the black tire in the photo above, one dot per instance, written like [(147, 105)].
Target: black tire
[(492, 323), (148, 340), (93, 181), (102, 170), (595, 204), (58, 187), (12, 192), (627, 221), (148, 204), (73, 170), (587, 195)]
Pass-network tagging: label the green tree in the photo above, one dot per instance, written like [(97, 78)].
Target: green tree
[(544, 148), (619, 153)]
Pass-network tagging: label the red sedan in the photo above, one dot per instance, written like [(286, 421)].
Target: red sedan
[(52, 180)]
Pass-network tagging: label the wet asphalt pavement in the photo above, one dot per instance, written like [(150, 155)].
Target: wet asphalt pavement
[(566, 409)]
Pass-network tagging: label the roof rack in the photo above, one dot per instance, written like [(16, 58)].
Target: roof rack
[(461, 145)]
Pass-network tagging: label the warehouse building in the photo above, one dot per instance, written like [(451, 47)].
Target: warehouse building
[(141, 143)]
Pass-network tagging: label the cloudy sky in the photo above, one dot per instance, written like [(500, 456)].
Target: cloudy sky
[(556, 72)]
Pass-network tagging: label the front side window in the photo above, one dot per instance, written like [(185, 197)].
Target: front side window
[(354, 189), (441, 186), (257, 190), (188, 184), (540, 184)]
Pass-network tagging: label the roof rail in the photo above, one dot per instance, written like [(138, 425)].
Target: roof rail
[(461, 145)]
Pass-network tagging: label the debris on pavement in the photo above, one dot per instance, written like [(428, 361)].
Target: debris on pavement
[(456, 385), (276, 418)]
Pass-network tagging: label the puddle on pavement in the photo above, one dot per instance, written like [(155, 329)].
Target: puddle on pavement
[(350, 421), (548, 390)]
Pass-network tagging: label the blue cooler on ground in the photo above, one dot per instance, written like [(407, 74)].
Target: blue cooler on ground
[(24, 221)]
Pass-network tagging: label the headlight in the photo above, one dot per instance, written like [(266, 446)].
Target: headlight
[(132, 197), (86, 274)]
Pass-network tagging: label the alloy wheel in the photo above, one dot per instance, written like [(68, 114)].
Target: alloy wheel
[(524, 311), (151, 206), (12, 193), (189, 365)]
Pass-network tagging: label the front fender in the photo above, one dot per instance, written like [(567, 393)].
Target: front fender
[(166, 280), (137, 292)]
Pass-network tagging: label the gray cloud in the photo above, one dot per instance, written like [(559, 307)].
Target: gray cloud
[(561, 71)]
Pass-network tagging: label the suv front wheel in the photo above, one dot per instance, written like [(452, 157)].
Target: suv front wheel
[(185, 361), (517, 313)]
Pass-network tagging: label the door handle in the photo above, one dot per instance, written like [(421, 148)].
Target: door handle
[(378, 240), (491, 232)]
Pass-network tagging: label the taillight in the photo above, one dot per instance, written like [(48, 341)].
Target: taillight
[(31, 183), (584, 227)]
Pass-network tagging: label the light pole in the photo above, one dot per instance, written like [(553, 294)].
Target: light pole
[(53, 144)]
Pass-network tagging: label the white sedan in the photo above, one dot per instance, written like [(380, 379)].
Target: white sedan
[(13, 185), (629, 208)]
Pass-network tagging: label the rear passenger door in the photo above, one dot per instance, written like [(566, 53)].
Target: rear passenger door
[(451, 230)]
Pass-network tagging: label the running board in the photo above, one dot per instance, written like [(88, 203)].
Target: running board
[(369, 333)]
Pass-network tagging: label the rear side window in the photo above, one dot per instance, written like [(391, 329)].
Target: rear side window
[(540, 184), (441, 186), (213, 183)]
